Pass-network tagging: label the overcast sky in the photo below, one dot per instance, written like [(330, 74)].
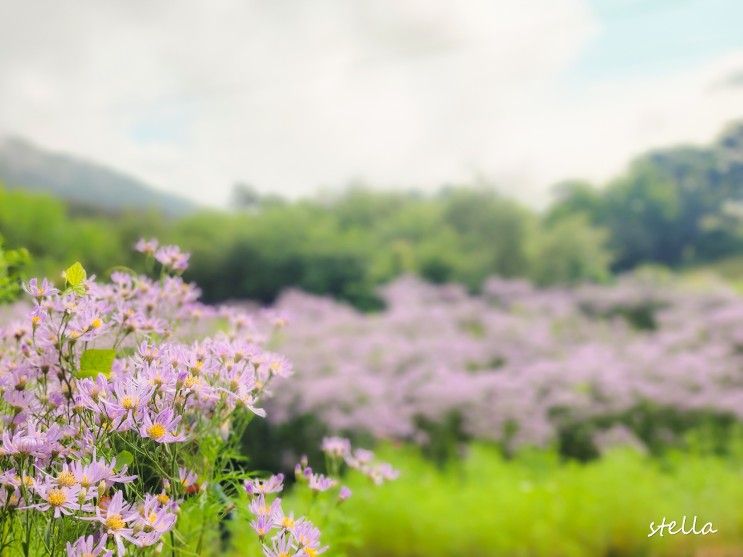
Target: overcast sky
[(293, 96)]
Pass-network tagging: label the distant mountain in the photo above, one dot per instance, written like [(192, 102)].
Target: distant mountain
[(83, 182)]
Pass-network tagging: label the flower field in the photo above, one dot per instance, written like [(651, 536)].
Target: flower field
[(638, 362), (517, 421)]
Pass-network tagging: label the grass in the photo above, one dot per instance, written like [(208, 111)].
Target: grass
[(536, 505)]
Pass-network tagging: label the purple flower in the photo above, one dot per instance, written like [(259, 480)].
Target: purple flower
[(171, 257), (260, 507), (273, 484), (262, 524), (319, 482), (336, 447), (87, 547), (281, 546), (153, 520), (344, 493), (308, 538), (62, 500), (38, 289), (146, 246), (116, 520), (162, 427)]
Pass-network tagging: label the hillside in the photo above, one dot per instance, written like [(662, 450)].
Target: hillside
[(80, 181)]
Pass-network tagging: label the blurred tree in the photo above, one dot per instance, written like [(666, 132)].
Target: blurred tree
[(571, 251)]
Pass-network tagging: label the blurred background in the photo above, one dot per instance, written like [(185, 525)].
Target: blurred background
[(507, 237)]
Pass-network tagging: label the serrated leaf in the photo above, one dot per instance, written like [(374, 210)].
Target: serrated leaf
[(124, 458), (95, 361), (75, 274)]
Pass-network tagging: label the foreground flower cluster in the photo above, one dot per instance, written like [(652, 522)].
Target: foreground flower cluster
[(111, 422), (283, 535), (516, 364)]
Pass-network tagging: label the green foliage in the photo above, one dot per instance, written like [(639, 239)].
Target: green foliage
[(569, 251), (677, 206), (535, 504), (124, 458), (12, 263), (75, 274), (94, 361)]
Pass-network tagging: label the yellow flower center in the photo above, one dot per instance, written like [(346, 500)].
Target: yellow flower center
[(66, 479), (96, 323), (310, 552), (163, 499), (191, 380), (287, 522), (85, 481), (28, 481), (35, 320), (115, 522), (56, 497), (152, 518), (128, 403), (156, 431)]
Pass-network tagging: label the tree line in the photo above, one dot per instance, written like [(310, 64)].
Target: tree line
[(675, 207)]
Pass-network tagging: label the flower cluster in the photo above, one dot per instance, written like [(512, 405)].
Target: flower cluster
[(283, 535), (516, 364), (104, 405)]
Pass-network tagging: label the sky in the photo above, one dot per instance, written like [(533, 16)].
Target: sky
[(295, 96)]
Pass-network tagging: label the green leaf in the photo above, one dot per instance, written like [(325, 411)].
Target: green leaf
[(95, 361), (124, 458), (75, 274)]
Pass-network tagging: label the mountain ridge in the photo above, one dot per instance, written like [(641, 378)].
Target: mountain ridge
[(80, 180)]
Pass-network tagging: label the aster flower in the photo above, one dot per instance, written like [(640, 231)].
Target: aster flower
[(37, 316), (116, 520), (92, 393), (320, 482), (336, 447), (128, 403), (260, 507), (278, 365), (383, 472), (280, 546), (87, 475), (62, 500), (41, 289), (307, 536), (28, 441), (273, 484), (162, 428), (153, 520), (171, 257), (147, 247), (262, 524), (87, 547), (344, 493)]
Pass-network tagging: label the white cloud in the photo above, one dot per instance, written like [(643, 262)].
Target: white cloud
[(292, 95)]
